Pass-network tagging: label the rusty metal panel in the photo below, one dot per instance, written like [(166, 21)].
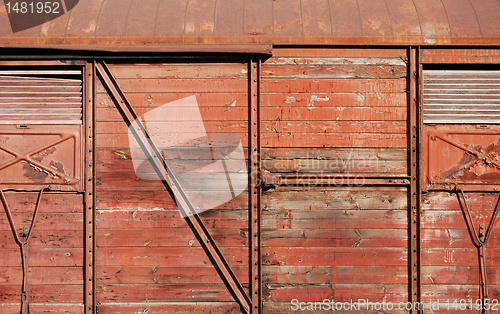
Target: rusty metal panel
[(115, 25), (34, 97), (467, 157), (461, 96), (40, 156)]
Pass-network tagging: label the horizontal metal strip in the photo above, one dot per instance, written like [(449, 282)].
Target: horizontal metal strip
[(43, 89), (35, 114), (459, 121), (475, 81), (40, 122), (27, 95), (495, 87), (42, 99), (39, 105), (461, 110), (32, 72), (460, 72), (465, 114), (464, 97), (462, 107)]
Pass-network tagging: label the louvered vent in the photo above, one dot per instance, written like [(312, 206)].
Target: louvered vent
[(466, 97), (40, 97)]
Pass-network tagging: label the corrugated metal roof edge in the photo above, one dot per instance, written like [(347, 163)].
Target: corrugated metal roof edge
[(256, 45)]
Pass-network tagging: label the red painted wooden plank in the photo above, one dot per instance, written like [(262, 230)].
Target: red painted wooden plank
[(145, 200), (145, 219), (207, 114), (170, 307), (335, 198), (44, 294), (354, 71), (449, 201), (458, 292), (335, 153), (334, 114), (438, 219), (454, 238), (335, 238), (303, 275), (121, 141), (333, 85), (125, 167), (458, 275), (457, 257), (237, 127), (276, 307), (178, 237), (50, 203), (179, 70), (335, 219), (163, 293), (149, 101), (331, 99), (170, 256), (47, 222), (340, 53), (42, 308), (311, 256), (328, 127), (40, 257), (180, 85), (339, 166), (336, 292), (42, 276), (105, 154), (54, 239), (110, 275)]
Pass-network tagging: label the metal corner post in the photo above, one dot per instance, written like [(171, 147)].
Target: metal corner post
[(255, 187), (89, 74), (414, 164)]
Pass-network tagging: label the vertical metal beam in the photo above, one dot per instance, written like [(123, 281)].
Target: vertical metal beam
[(88, 107), (172, 185), (414, 161), (255, 187)]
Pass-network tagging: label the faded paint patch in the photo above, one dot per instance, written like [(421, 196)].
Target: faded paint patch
[(290, 100), (34, 173)]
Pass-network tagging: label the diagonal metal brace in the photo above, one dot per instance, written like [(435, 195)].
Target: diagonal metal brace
[(171, 184)]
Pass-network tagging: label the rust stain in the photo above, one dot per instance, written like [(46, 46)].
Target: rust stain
[(58, 166), (469, 165), (41, 155), (34, 173)]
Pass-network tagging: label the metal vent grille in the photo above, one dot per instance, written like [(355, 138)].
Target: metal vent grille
[(39, 97), (466, 97)]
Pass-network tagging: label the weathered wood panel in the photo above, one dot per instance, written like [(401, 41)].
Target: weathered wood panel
[(56, 253), (43, 308), (145, 250), (172, 307), (334, 243), (450, 263)]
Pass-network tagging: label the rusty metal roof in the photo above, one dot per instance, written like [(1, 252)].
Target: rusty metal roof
[(239, 25)]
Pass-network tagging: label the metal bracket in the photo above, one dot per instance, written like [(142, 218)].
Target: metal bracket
[(480, 241), (24, 244)]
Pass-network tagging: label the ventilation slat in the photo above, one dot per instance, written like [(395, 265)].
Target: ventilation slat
[(461, 97), (40, 97)]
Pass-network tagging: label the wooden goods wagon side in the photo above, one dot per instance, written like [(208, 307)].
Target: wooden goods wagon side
[(450, 262), (334, 127)]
